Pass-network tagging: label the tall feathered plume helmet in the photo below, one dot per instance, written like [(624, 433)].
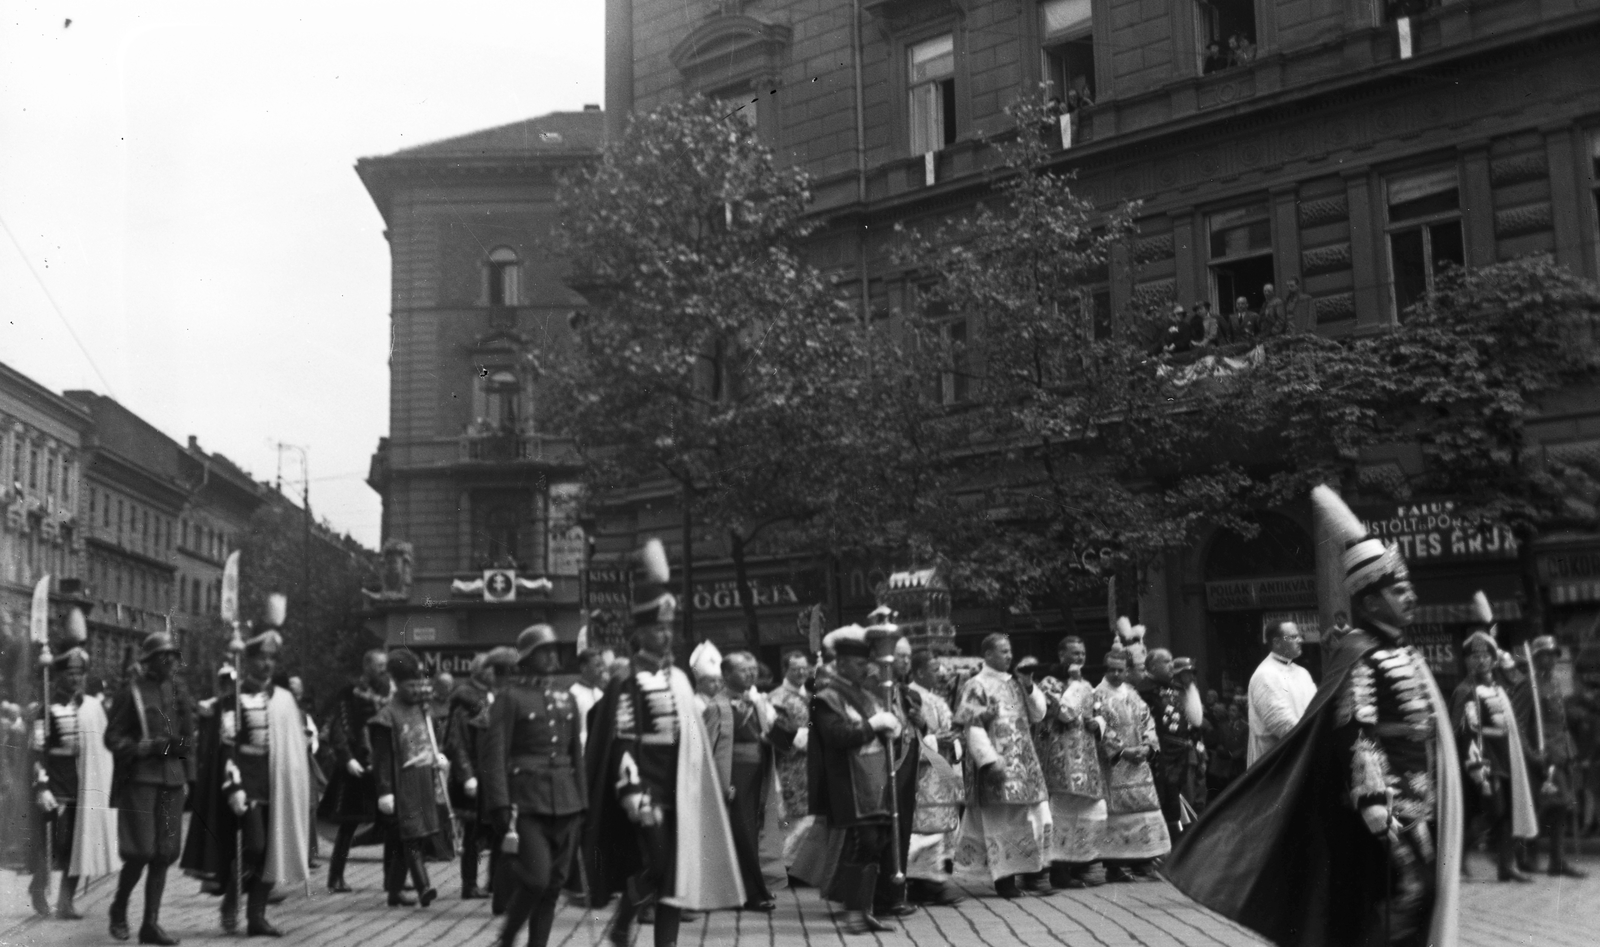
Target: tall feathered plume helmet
[(269, 634), (69, 650), (652, 603), (1367, 560), (1486, 632)]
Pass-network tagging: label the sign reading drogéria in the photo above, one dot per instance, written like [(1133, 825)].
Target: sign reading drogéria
[(1429, 531)]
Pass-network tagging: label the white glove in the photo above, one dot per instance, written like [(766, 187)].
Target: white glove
[(1376, 818), (355, 768), (47, 801), (229, 726), (640, 813), (885, 722), (802, 738), (470, 787), (386, 804), (443, 761), (238, 802)]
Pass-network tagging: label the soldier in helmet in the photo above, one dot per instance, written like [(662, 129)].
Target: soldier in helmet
[(56, 747), (151, 736), (255, 787), (1542, 712), (533, 782)]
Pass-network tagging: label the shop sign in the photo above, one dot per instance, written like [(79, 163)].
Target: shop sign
[(607, 602), (796, 589), (454, 661), (1572, 575), (1437, 645), (1309, 623), (1431, 532), (1242, 595)]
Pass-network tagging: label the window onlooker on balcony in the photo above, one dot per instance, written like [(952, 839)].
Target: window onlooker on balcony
[(1216, 60)]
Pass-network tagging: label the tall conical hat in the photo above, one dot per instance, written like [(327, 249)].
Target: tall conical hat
[(1489, 633), (1367, 559), (652, 603), (705, 660)]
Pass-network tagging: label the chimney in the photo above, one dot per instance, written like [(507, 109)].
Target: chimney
[(194, 443), (590, 107)]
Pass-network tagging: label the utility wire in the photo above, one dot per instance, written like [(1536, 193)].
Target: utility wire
[(57, 307)]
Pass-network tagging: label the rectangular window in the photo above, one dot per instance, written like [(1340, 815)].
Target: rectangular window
[(502, 529), (1068, 34), (50, 474), (1424, 227), (1240, 252), (1594, 179), (1226, 33), (932, 66), (33, 468), (956, 384)]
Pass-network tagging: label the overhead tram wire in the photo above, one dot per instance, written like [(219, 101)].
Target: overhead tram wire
[(57, 307)]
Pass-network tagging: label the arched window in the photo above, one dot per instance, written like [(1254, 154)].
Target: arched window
[(503, 282)]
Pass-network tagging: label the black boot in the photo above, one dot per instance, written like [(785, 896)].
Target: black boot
[(230, 909), (667, 919), (119, 901), (39, 890), (620, 930), (1559, 865), (65, 909), (155, 885), (419, 874), (255, 911), (341, 854), (469, 861)]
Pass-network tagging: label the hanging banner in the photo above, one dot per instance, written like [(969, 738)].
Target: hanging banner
[(39, 617), (230, 588)]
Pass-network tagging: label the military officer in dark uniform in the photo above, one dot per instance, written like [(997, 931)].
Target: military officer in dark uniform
[(150, 734), (533, 782)]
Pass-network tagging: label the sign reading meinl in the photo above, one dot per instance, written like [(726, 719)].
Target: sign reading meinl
[(1430, 531)]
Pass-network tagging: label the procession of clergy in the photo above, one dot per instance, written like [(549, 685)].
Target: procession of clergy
[(676, 793)]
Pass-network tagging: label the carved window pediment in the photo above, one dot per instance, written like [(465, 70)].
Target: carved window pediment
[(898, 16), (730, 48)]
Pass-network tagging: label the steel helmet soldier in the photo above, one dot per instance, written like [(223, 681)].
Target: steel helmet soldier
[(533, 782), (151, 736), (56, 748)]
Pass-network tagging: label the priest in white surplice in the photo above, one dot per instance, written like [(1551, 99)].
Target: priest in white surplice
[(1280, 691), (1006, 829)]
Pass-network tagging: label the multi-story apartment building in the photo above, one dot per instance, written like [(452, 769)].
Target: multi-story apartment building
[(41, 530), (1354, 148), (479, 500)]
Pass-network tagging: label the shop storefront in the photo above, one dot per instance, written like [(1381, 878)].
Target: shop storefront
[(1450, 560), (1569, 577), (1251, 584)]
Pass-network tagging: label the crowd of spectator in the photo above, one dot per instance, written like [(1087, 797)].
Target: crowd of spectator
[(1203, 329)]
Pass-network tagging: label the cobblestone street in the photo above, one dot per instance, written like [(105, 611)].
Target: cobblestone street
[(1548, 913)]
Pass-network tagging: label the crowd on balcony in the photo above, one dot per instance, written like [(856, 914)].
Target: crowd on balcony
[(1204, 330), (1241, 51)]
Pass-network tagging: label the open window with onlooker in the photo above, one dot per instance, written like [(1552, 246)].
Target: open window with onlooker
[(504, 277), (1066, 29), (1241, 265), (1227, 33), (932, 88), (1424, 226)]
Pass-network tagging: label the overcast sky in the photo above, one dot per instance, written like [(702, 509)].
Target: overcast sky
[(179, 176)]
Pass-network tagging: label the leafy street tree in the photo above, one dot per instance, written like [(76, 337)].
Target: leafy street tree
[(324, 635), (714, 357)]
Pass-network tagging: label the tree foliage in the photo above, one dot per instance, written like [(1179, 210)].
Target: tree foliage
[(714, 356)]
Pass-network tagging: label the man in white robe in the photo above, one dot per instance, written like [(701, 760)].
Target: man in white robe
[(1134, 832), (1006, 829), (1280, 691)]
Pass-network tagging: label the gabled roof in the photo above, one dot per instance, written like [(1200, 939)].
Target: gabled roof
[(555, 133)]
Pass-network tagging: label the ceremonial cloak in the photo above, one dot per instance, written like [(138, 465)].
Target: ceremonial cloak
[(1282, 851), (706, 870), (94, 845), (208, 853)]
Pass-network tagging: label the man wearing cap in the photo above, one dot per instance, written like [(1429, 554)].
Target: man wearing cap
[(656, 833), (1542, 710), (1348, 831), (254, 787), (463, 738), (1280, 691), (352, 799), (532, 782), (1179, 714), (852, 782), (151, 736), (407, 769), (1005, 831), (1135, 832), (1493, 754), (1069, 753), (57, 745)]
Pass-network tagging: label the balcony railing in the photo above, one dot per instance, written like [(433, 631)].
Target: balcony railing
[(497, 447)]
